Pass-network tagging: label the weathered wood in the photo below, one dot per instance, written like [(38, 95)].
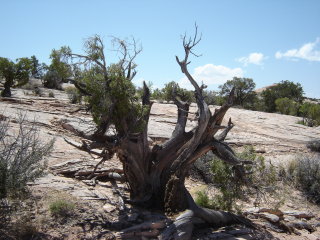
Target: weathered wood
[(147, 226), (156, 174)]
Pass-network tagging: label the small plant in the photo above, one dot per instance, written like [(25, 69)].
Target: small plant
[(62, 208), (203, 200), (73, 95), (262, 177), (28, 86), (21, 157), (314, 145), (287, 106), (37, 91), (51, 94), (52, 80), (307, 176), (310, 113)]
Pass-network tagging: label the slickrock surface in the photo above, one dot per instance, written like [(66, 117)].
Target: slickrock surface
[(278, 137)]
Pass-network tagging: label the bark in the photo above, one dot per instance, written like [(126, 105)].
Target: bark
[(6, 92), (156, 175)]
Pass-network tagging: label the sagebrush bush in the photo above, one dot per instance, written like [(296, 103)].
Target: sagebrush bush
[(52, 80), (287, 106), (29, 86), (307, 176), (21, 156), (262, 178), (62, 208), (51, 94), (37, 91), (74, 95), (314, 145), (310, 113), (203, 200)]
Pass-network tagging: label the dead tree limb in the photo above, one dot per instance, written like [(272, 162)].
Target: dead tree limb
[(156, 174)]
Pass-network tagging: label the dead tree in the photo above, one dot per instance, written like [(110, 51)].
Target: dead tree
[(156, 175)]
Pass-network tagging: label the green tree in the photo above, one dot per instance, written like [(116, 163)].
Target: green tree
[(285, 89), (172, 90), (212, 97), (139, 90), (59, 70), (155, 174), (287, 106), (244, 94), (37, 69), (157, 94), (14, 74), (310, 113)]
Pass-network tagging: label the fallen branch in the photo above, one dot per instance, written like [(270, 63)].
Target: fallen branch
[(132, 235), (147, 226), (84, 147)]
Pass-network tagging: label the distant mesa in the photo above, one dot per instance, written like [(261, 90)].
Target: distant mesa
[(260, 90)]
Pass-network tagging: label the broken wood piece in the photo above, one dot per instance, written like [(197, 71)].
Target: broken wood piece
[(301, 215), (147, 225), (270, 217), (83, 146), (132, 235)]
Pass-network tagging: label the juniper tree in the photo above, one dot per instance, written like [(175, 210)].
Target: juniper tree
[(155, 173), (15, 74)]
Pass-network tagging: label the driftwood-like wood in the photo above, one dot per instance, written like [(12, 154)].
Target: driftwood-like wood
[(156, 174)]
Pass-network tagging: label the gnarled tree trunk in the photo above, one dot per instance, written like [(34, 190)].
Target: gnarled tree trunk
[(156, 175), (6, 92)]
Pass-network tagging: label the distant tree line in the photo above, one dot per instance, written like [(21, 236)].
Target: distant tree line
[(18, 73), (285, 97)]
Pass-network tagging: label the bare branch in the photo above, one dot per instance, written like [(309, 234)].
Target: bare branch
[(188, 46), (146, 94), (129, 52), (225, 132), (88, 59), (84, 147)]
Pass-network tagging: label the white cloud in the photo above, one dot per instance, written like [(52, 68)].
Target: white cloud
[(211, 74), (253, 58), (309, 51)]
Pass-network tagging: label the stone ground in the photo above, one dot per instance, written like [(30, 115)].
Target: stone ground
[(100, 212)]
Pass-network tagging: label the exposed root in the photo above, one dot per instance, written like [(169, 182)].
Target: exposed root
[(146, 229), (182, 227)]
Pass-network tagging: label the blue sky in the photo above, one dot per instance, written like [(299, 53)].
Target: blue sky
[(267, 41)]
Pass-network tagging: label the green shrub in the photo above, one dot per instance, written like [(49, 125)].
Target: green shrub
[(51, 94), (203, 200), (261, 177), (52, 80), (173, 89), (314, 145), (224, 180), (21, 157), (28, 86), (62, 208), (311, 114), (284, 89), (37, 91), (73, 95), (157, 94), (307, 176), (287, 106), (211, 97)]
